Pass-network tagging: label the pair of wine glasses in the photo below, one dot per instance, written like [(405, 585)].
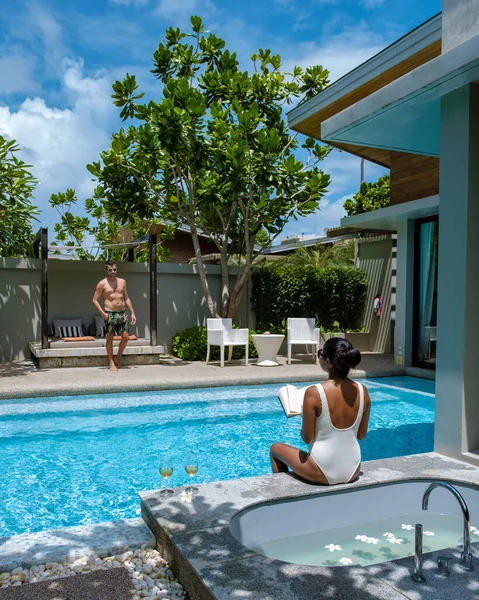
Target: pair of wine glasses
[(166, 471)]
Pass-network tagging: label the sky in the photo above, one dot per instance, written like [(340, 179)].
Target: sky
[(59, 59)]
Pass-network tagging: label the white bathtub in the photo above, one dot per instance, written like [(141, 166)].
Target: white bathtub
[(356, 526)]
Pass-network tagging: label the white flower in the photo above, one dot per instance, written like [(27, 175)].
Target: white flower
[(371, 540), (346, 561), (395, 540), (408, 527), (186, 497), (474, 529), (363, 538), (388, 535), (333, 547), (429, 533)]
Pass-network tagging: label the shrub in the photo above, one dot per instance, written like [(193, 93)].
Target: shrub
[(192, 344), (334, 296)]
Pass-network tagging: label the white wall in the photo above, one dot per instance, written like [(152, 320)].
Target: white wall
[(180, 300)]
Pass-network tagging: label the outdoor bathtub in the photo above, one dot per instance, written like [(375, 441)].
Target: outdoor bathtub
[(356, 526)]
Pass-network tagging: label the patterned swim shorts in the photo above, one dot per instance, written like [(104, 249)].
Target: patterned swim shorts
[(116, 323)]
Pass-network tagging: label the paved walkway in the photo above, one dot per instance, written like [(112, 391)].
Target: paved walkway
[(22, 379)]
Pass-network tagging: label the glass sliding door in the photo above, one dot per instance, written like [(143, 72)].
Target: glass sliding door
[(425, 293)]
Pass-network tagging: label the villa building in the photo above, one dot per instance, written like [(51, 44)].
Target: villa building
[(414, 108)]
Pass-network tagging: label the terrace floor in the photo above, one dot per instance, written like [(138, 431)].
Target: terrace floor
[(21, 379)]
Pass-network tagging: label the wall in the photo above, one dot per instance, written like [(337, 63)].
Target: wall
[(413, 177), (374, 257), (71, 286), (182, 250)]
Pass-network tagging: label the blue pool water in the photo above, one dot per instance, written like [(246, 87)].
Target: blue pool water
[(72, 460)]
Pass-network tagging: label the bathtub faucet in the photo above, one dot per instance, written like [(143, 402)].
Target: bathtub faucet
[(466, 556)]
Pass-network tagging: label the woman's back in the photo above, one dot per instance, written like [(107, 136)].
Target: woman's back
[(335, 447)]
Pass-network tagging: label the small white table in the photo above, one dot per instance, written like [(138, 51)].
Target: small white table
[(267, 346)]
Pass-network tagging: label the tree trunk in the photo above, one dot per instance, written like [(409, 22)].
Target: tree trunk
[(237, 293), (225, 284), (202, 271)]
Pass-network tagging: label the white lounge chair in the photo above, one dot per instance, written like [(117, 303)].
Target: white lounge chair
[(221, 333), (303, 331)]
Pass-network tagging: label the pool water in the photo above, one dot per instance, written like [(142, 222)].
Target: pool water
[(368, 543), (72, 460)]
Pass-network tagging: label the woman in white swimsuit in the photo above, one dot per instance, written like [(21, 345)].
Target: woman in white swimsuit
[(335, 417)]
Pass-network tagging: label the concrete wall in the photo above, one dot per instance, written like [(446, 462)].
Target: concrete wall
[(460, 21), (374, 258), (71, 287)]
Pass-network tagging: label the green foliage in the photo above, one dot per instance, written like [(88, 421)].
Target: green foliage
[(213, 151), (322, 255), (73, 230), (333, 296), (16, 208), (371, 196), (192, 344)]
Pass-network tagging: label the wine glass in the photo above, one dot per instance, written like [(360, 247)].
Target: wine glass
[(166, 471), (191, 467)]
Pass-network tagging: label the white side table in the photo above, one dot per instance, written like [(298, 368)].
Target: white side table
[(267, 346)]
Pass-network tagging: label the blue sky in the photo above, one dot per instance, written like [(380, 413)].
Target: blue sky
[(59, 58)]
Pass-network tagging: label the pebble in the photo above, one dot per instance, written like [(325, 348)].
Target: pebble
[(149, 572)]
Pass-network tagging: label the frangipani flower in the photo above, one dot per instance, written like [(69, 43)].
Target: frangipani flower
[(363, 538), (388, 535), (186, 497), (395, 540), (474, 529), (346, 561), (333, 547), (371, 540), (429, 533), (408, 527)]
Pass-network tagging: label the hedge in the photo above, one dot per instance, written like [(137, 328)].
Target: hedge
[(334, 296), (191, 344)]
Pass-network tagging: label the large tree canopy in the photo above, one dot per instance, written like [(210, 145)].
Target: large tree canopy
[(213, 151), (16, 208), (371, 196)]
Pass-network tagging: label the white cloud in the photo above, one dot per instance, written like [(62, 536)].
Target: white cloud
[(339, 53), (181, 10), (60, 142), (17, 69)]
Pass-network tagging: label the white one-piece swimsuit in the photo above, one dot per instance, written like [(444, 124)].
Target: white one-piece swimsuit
[(336, 451)]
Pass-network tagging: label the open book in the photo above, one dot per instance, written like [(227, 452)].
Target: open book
[(291, 399)]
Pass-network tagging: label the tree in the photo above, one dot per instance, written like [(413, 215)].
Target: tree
[(371, 196), (76, 231), (213, 152), (16, 208), (322, 255)]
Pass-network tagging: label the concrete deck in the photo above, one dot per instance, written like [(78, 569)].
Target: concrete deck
[(212, 565), (22, 379)]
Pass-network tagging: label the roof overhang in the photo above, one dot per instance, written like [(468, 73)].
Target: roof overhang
[(405, 115), (387, 219), (406, 54)]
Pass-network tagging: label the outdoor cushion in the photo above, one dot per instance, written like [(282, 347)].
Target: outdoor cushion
[(83, 338), (100, 325), (130, 337), (57, 323), (72, 332)]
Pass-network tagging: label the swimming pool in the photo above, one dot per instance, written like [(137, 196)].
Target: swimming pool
[(72, 460)]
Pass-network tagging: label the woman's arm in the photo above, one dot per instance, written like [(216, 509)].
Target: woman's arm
[(311, 411), (363, 426)]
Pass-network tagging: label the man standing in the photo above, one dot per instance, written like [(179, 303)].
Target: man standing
[(115, 298)]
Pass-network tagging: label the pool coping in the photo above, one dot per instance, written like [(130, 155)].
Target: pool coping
[(212, 565), (74, 382)]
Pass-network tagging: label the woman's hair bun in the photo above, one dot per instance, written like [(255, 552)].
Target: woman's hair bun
[(352, 357)]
